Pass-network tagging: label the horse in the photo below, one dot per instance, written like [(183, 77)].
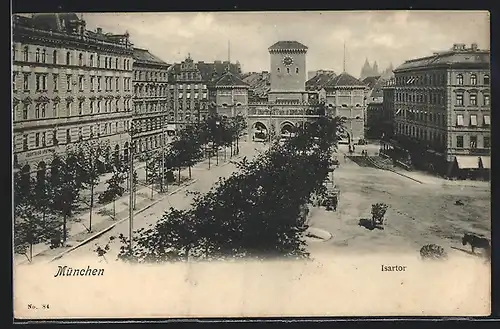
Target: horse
[(476, 241)]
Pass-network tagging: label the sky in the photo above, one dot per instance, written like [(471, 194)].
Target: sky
[(382, 36)]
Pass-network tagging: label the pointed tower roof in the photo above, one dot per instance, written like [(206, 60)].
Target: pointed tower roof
[(375, 68)]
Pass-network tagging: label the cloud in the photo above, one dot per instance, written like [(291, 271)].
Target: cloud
[(384, 36)]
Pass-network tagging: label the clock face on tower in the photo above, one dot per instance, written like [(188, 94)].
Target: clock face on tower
[(287, 61)]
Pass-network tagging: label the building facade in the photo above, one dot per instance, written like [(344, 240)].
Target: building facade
[(69, 84), (378, 123), (189, 83), (442, 109), (344, 96), (231, 95), (152, 119)]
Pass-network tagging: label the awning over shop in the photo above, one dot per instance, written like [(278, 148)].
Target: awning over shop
[(467, 162), (486, 162)]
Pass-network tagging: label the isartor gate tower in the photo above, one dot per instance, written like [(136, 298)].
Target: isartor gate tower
[(288, 101)]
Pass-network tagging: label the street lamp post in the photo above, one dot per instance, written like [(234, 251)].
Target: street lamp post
[(131, 194)]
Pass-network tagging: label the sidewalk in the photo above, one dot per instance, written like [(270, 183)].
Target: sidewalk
[(103, 215)]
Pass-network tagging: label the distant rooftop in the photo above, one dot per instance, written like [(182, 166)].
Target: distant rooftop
[(458, 54), (344, 79), (288, 45), (144, 56)]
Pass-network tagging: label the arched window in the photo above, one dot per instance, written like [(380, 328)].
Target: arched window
[(91, 60), (278, 70), (80, 59), (473, 79), (297, 70), (486, 79), (460, 79), (116, 63), (287, 70), (37, 55), (25, 53), (44, 55), (68, 58)]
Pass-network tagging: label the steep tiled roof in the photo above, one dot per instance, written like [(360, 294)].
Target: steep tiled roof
[(212, 71), (284, 45), (259, 83), (230, 80), (466, 56), (50, 21), (319, 80), (343, 79), (144, 56), (370, 81)]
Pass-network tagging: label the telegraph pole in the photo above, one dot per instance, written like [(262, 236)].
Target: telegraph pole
[(162, 150)]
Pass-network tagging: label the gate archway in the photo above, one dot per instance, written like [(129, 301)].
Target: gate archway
[(287, 129), (260, 131)]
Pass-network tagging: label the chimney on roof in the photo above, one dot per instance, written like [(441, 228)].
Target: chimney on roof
[(473, 46), (459, 46), (99, 30)]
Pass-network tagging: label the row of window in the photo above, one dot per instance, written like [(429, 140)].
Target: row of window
[(53, 137), (150, 91), (150, 76), (189, 76), (149, 124), (436, 137), (473, 142), (288, 70), (141, 108), (195, 95), (428, 98), (473, 121), (41, 55), (440, 80), (41, 110), (473, 100), (190, 86), (437, 119), (439, 99), (95, 82), (472, 79)]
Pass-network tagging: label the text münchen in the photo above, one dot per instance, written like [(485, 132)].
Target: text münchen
[(69, 271)]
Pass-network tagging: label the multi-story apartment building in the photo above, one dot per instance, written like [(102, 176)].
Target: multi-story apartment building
[(344, 96), (69, 84), (153, 98), (442, 109), (386, 118), (189, 82)]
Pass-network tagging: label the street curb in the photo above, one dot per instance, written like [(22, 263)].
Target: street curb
[(98, 234), (400, 174)]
